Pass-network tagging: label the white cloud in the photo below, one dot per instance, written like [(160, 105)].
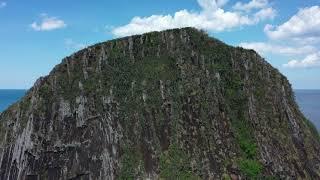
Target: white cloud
[(211, 5), (3, 4), (212, 18), (310, 61), (253, 4), (305, 24), (71, 44), (266, 13), (48, 23), (299, 35), (264, 48)]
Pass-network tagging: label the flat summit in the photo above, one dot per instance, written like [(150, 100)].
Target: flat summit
[(175, 104)]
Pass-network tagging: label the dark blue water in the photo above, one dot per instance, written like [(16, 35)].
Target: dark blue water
[(309, 103), (8, 97), (308, 100)]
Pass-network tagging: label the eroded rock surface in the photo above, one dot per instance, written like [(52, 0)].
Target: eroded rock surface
[(175, 104)]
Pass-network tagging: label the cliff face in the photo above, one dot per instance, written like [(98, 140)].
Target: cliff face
[(174, 105)]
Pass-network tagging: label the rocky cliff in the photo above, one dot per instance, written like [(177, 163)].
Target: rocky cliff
[(175, 104)]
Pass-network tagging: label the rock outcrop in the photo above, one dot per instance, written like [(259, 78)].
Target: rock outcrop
[(176, 104)]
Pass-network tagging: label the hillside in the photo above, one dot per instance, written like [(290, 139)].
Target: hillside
[(176, 104)]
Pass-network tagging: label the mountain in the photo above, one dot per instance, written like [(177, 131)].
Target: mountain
[(176, 104)]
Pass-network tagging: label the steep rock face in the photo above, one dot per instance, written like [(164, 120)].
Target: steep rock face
[(175, 104)]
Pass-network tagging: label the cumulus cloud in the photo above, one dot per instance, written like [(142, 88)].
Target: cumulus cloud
[(299, 35), (211, 5), (266, 13), (264, 48), (3, 4), (310, 61), (254, 4), (305, 24), (48, 23), (212, 17)]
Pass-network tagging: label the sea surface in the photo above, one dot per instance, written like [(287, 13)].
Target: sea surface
[(308, 100), (9, 96), (309, 103)]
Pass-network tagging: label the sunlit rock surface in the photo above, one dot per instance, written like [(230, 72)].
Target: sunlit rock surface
[(175, 104)]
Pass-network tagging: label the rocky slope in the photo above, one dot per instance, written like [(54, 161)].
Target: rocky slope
[(175, 104)]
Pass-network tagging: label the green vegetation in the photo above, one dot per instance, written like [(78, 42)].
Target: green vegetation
[(226, 177), (2, 131), (46, 94), (245, 140), (175, 164), (91, 85), (24, 105), (45, 90), (251, 168), (248, 163), (205, 106), (312, 128), (131, 164)]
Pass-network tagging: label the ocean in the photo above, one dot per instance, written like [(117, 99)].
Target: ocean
[(9, 96), (308, 101)]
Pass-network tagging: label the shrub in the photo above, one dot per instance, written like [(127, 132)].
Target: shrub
[(174, 164), (250, 168), (312, 128)]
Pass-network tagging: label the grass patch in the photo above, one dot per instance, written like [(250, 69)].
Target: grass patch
[(251, 168), (312, 128), (174, 164), (130, 163), (248, 161)]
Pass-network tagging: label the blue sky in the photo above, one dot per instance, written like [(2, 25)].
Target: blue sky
[(35, 35)]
